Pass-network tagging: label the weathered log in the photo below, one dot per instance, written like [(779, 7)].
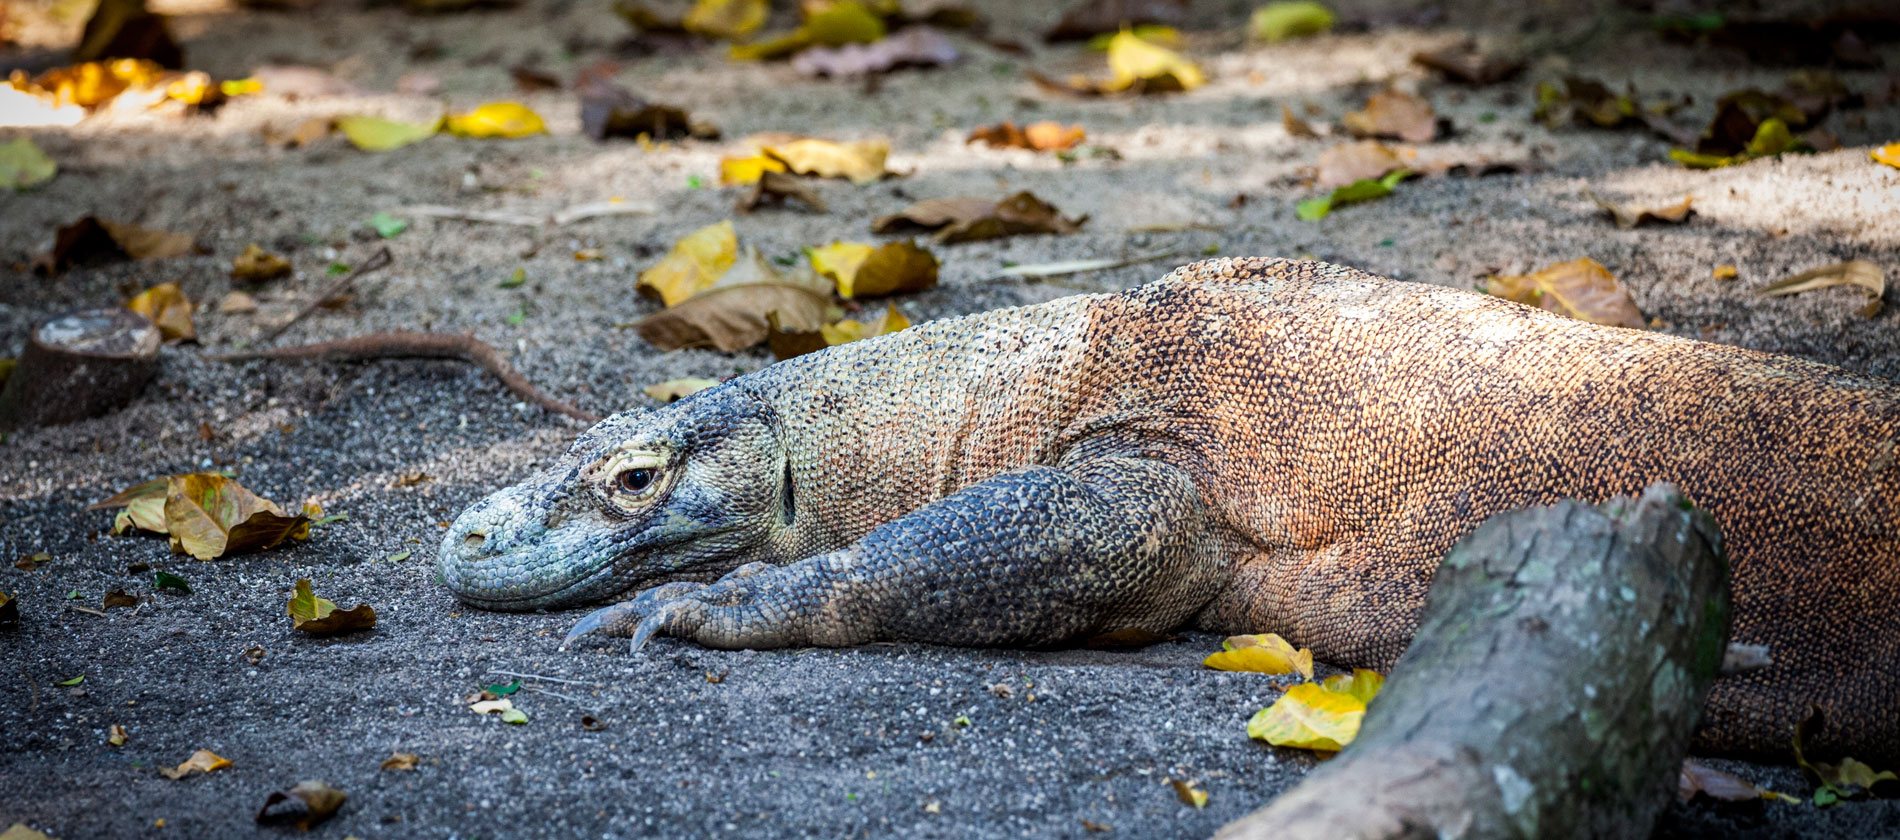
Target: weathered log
[(1557, 675), (79, 365)]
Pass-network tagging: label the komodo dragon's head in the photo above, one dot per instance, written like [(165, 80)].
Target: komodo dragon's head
[(686, 492)]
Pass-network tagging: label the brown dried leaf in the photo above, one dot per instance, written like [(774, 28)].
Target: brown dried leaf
[(1296, 126), (9, 610), (202, 761), (1394, 114), (1360, 161), (1582, 289), (533, 79), (973, 219), (777, 188), (861, 161), (305, 805), (1467, 64), (1630, 215), (95, 241), (209, 515), (320, 617), (1046, 136), (401, 761), (303, 133), (144, 505), (1858, 273), (609, 110), (257, 265), (166, 306), (125, 29), (237, 303), (118, 598), (733, 314), (1697, 778)]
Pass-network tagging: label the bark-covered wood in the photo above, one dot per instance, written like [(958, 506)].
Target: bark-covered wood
[(79, 365), (1551, 691)]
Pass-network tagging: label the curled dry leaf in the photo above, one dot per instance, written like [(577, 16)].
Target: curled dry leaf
[(829, 24), (208, 515), (1289, 19), (1090, 18), (94, 241), (400, 762), (1466, 64), (777, 188), (202, 761), (320, 617), (693, 265), (1266, 653), (1630, 215), (1360, 161), (1861, 274), (1582, 289), (1189, 792), (1295, 125), (860, 161), (496, 119), (735, 312), (305, 805), (257, 265), (1394, 114), (118, 598), (864, 270), (916, 46), (117, 736), (376, 134), (972, 219), (1046, 136), (1696, 778), (166, 306), (674, 390), (609, 110)]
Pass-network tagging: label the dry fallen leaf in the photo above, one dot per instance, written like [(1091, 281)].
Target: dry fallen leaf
[(301, 134), (1140, 65), (849, 330), (1189, 792), (496, 119), (20, 831), (1266, 653), (609, 110), (1698, 778), (1725, 272), (237, 303), (827, 24), (730, 20), (916, 46), (1289, 19), (1888, 154), (376, 134), (116, 735), (1312, 716), (305, 805), (861, 161), (772, 187), (736, 312), (1090, 18), (694, 264), (863, 270), (1391, 113), (1043, 136), (674, 390), (1467, 64), (118, 598), (94, 241), (1360, 161), (9, 610), (320, 617), (166, 306), (972, 219), (209, 515), (1862, 274), (1630, 215), (202, 761), (257, 265), (1582, 289), (401, 761), (1295, 126), (144, 507)]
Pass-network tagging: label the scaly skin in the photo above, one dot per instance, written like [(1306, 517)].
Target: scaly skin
[(1244, 446)]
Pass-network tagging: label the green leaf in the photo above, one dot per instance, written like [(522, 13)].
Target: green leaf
[(517, 319), (514, 280), (514, 716), (962, 721), (337, 269), (388, 226), (400, 556), (338, 517), (1364, 189), (167, 580), (1287, 20), (74, 681), (695, 182), (375, 134), (23, 165), (504, 689)]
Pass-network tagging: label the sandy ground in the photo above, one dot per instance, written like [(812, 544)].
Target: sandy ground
[(863, 742)]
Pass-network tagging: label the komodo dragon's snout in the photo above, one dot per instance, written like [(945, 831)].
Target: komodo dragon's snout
[(686, 492)]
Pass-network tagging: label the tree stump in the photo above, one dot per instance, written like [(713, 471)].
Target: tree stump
[(79, 365), (1552, 689)]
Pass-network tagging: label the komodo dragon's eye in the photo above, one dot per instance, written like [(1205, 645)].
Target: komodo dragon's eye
[(634, 482)]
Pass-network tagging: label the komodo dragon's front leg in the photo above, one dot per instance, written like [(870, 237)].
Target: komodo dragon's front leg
[(1029, 557)]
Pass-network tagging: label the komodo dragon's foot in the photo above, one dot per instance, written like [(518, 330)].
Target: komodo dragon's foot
[(749, 608)]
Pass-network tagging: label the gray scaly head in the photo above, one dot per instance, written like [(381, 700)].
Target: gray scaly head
[(687, 492)]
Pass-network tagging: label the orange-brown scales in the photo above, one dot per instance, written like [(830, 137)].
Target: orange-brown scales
[(1246, 445)]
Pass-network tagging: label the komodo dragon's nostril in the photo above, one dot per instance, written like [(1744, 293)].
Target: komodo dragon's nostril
[(472, 541)]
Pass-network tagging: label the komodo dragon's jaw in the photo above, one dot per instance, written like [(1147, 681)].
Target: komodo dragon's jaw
[(687, 492)]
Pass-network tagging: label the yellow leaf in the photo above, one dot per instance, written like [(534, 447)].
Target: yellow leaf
[(1582, 289), (673, 390), (845, 332), (1266, 653), (740, 171), (257, 264), (375, 134), (862, 161), (1189, 792), (144, 505), (1133, 61), (166, 306), (697, 261), (1888, 154), (209, 516), (497, 119), (1725, 271), (1285, 20), (1860, 273), (895, 267), (1361, 683), (728, 19), (202, 761), (739, 310), (833, 25), (1309, 716), (839, 261), (319, 616), (20, 831)]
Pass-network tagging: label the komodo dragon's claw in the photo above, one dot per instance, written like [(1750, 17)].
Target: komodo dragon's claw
[(603, 620), (640, 618)]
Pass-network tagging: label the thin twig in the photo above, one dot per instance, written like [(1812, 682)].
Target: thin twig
[(541, 677), (381, 259), (86, 610), (575, 700), (419, 345)]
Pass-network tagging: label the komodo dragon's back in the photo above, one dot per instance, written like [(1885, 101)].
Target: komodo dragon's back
[(1353, 427), (1246, 445)]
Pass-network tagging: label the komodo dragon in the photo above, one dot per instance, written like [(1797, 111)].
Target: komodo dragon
[(1246, 445)]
